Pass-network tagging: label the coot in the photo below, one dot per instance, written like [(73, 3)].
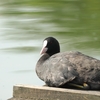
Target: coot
[(67, 69)]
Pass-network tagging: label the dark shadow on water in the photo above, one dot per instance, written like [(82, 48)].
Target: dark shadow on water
[(22, 71), (26, 49)]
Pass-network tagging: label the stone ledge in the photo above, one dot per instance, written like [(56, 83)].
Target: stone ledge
[(25, 92)]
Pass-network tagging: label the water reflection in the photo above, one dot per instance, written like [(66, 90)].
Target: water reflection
[(25, 23)]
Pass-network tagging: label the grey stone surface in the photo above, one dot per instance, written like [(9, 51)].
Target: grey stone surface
[(25, 92)]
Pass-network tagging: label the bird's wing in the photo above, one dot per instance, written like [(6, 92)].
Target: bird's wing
[(60, 71)]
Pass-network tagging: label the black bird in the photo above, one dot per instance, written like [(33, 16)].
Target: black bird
[(66, 69)]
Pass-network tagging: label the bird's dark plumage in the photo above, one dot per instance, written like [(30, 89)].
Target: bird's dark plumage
[(58, 69)]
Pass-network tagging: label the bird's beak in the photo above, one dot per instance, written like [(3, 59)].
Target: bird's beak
[(43, 50)]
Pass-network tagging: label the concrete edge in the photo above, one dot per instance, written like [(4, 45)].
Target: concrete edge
[(30, 92)]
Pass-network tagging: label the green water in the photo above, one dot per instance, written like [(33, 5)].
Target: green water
[(25, 23)]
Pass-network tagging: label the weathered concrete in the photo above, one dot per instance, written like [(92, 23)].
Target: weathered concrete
[(25, 92)]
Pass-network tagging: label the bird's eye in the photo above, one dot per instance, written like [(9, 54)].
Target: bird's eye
[(50, 42)]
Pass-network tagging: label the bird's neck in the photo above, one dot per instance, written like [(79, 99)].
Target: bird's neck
[(40, 65), (43, 58)]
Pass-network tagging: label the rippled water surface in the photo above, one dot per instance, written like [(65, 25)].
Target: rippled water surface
[(23, 26)]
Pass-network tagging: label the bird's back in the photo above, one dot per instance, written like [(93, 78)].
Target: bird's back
[(86, 67)]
